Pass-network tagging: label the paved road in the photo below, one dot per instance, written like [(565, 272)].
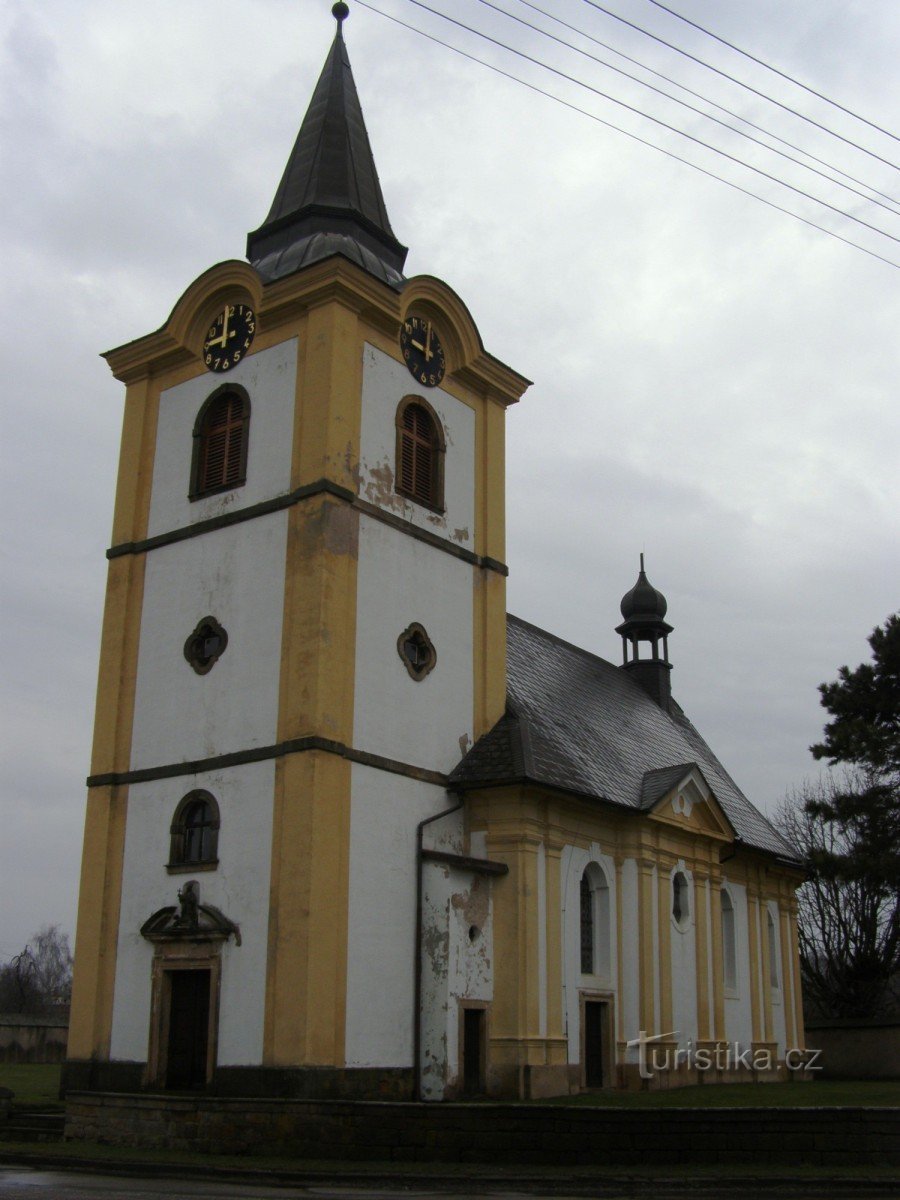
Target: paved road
[(21, 1183)]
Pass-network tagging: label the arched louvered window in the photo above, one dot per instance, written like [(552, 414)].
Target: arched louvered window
[(195, 832), (420, 453), (221, 438)]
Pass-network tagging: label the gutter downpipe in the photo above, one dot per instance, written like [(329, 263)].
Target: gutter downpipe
[(417, 990)]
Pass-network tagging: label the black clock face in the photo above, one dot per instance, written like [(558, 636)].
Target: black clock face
[(229, 337), (422, 351)]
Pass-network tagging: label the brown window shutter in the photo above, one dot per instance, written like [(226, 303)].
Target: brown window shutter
[(223, 442), (419, 450)]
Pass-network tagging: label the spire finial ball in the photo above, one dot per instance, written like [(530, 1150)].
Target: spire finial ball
[(340, 12)]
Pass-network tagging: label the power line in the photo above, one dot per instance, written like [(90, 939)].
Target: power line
[(707, 100), (740, 83), (627, 133), (657, 121), (684, 104), (775, 70)]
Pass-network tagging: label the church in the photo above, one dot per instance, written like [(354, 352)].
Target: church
[(352, 830)]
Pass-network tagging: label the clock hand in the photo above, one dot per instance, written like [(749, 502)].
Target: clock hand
[(428, 350), (417, 346)]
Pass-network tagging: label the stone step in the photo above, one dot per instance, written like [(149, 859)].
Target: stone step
[(33, 1125)]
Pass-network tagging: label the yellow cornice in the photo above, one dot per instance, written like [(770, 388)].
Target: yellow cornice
[(179, 341), (467, 358)]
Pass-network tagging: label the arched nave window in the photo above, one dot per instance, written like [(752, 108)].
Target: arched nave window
[(773, 949), (595, 932), (729, 948)]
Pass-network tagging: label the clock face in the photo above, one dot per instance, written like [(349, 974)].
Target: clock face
[(229, 337), (422, 351)]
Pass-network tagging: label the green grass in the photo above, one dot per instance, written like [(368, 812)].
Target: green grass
[(33, 1083), (814, 1094)]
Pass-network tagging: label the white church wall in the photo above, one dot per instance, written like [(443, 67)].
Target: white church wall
[(385, 383), (239, 886), (738, 1019), (269, 377), (385, 810), (573, 862), (428, 722), (182, 716), (457, 967), (683, 942)]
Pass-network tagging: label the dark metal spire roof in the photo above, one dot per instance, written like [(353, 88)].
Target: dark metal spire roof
[(329, 200)]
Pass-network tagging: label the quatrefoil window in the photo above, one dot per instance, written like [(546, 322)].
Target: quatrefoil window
[(416, 651), (206, 645)]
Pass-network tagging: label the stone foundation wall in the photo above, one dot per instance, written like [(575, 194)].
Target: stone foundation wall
[(521, 1134)]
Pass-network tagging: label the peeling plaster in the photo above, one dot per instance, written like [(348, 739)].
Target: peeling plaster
[(460, 535)]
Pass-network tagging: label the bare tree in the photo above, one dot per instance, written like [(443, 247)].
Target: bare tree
[(39, 979), (848, 924)]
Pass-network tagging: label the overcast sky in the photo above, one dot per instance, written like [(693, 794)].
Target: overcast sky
[(715, 382)]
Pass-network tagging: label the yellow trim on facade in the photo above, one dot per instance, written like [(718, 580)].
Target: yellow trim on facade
[(305, 1011), (99, 902), (555, 1015), (787, 976), (648, 958)]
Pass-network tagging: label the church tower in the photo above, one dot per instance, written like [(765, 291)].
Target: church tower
[(304, 632)]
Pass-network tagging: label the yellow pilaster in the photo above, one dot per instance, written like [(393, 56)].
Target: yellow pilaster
[(799, 1028), (757, 972), (555, 1016), (327, 422), (490, 586), (93, 983), (620, 968), (309, 896), (100, 892), (787, 977), (307, 967), (647, 902)]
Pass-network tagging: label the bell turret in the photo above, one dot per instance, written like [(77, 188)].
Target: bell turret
[(644, 610)]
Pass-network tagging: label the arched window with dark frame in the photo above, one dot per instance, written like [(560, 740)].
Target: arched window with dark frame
[(221, 441), (420, 453), (195, 832), (595, 922)]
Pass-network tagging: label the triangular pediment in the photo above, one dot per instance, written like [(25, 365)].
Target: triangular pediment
[(682, 797)]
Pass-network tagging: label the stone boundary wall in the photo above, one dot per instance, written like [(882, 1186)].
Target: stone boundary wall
[(491, 1133), (852, 1050), (27, 1039)]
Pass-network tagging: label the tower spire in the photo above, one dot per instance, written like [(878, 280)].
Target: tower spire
[(329, 200)]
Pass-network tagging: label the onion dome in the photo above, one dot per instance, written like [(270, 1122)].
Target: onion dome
[(643, 601), (644, 610)]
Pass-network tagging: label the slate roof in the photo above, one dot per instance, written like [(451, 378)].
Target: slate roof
[(329, 200), (577, 723)]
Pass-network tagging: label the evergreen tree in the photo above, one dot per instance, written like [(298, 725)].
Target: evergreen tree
[(864, 733), (847, 830)]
